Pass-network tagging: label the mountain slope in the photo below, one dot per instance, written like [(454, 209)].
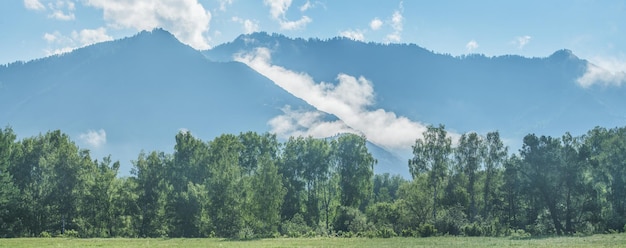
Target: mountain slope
[(141, 91), (512, 94)]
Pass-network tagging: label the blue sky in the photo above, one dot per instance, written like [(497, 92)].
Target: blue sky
[(594, 30)]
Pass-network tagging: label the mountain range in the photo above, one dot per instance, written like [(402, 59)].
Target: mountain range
[(119, 97)]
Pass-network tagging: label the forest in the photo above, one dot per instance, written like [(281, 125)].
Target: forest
[(252, 185)]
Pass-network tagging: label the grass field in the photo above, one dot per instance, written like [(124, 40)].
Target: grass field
[(606, 240)]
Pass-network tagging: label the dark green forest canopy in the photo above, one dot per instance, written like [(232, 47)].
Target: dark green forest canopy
[(253, 185)]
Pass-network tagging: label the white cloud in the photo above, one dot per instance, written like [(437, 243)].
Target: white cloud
[(306, 123), (91, 36), (353, 34), (93, 138), (62, 10), (278, 10), (306, 6), (34, 5), (59, 15), (375, 24), (77, 39), (58, 51), (471, 45), (522, 41), (185, 19), (295, 25), (49, 37), (350, 100), (224, 3), (605, 72), (249, 26), (397, 21)]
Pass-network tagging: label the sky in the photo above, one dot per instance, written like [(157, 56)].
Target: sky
[(593, 30)]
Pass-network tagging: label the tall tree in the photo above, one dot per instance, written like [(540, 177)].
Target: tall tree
[(224, 185), (152, 191), (431, 155), (542, 161), (511, 189), (291, 167), (267, 196), (8, 191), (469, 156), (495, 155), (189, 168), (355, 166)]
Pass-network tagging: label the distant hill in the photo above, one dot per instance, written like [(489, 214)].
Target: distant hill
[(512, 94), (141, 91)]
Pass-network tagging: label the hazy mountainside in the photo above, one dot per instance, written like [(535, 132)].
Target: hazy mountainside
[(141, 91), (513, 94)]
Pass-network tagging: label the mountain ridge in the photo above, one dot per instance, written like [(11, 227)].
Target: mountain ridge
[(150, 83)]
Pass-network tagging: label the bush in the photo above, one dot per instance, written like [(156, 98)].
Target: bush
[(71, 234), (351, 219), (520, 234), (586, 229), (410, 233), (472, 230), (245, 233), (427, 230), (295, 227), (385, 232), (451, 221), (45, 234)]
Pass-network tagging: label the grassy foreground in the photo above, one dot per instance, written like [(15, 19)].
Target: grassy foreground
[(606, 240)]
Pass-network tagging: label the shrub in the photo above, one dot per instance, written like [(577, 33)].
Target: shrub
[(410, 233), (451, 221), (45, 234), (427, 230), (351, 219), (71, 234), (520, 234), (472, 230), (385, 232), (295, 227), (245, 233), (585, 229)]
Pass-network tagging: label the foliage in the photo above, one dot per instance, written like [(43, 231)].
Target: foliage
[(253, 186)]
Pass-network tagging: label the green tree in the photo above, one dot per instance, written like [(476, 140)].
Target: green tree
[(431, 155), (8, 192), (152, 191), (291, 168), (495, 156), (267, 196), (224, 186), (189, 168), (469, 156), (542, 163), (355, 166)]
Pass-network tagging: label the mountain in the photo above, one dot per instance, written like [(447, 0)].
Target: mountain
[(513, 94), (140, 91)]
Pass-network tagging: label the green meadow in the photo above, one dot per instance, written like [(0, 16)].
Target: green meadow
[(599, 240)]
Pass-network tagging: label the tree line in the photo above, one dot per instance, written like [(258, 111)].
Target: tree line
[(252, 185)]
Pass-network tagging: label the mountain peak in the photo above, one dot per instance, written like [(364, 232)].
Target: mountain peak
[(563, 54)]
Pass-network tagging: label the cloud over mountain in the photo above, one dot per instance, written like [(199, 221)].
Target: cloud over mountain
[(351, 99), (605, 72), (186, 19)]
